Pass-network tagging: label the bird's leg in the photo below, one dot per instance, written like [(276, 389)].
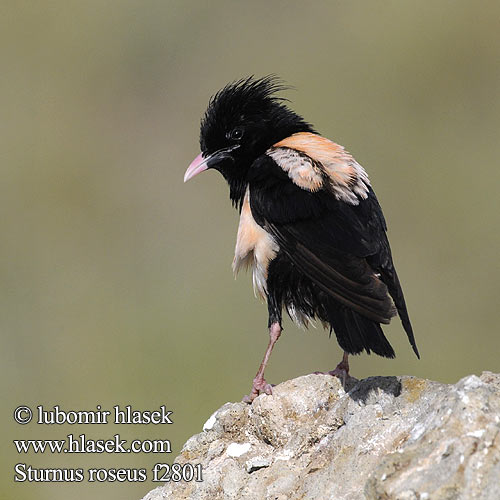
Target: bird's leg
[(259, 383)]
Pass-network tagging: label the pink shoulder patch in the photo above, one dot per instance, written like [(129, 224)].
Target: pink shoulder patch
[(305, 155)]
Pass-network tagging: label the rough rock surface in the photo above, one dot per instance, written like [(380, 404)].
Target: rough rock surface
[(386, 438)]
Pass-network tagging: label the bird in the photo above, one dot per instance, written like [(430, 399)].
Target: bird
[(311, 228)]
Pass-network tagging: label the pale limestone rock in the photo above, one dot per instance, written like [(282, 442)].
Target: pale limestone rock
[(390, 438)]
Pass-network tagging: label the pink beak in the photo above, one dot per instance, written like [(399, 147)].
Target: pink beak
[(198, 165)]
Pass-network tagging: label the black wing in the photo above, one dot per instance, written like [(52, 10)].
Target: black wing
[(342, 248)]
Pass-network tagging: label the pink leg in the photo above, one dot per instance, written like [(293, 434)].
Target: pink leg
[(341, 371), (259, 383)]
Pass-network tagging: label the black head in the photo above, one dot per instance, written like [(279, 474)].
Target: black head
[(242, 121)]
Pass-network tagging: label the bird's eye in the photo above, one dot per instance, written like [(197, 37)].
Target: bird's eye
[(236, 134)]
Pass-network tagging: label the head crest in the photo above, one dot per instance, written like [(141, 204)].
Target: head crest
[(242, 100), (248, 92)]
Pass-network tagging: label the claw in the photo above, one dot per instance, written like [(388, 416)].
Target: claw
[(259, 386), (341, 371)]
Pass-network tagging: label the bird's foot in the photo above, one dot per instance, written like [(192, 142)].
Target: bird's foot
[(259, 386), (341, 371)]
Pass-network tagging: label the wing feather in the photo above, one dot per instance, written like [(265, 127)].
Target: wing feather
[(314, 162), (348, 279), (317, 202)]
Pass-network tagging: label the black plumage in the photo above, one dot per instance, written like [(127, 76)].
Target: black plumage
[(310, 227)]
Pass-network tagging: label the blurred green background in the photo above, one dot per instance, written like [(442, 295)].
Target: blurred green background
[(116, 286)]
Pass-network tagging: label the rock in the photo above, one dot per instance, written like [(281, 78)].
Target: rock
[(387, 438)]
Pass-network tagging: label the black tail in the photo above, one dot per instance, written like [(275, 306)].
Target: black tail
[(356, 333), (390, 278)]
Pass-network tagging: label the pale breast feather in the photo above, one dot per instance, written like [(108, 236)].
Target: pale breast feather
[(313, 162), (255, 248)]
